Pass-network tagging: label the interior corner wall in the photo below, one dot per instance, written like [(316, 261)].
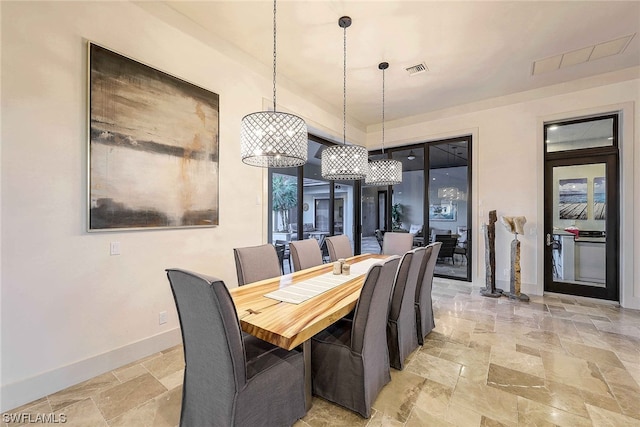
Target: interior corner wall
[(507, 176), (70, 311)]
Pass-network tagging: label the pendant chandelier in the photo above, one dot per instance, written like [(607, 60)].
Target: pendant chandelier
[(384, 171), (344, 162), (273, 139)]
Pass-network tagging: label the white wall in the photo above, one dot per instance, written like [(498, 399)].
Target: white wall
[(508, 165), (69, 310)]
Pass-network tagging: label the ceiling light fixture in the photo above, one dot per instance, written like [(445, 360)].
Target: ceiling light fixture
[(411, 156), (384, 171), (344, 162), (273, 139)]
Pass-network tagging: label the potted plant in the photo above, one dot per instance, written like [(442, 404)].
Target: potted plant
[(396, 214), (285, 198)]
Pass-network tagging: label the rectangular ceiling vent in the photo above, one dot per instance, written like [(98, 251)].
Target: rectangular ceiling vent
[(417, 69)]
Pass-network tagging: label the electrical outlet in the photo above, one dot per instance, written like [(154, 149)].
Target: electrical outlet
[(114, 248), (162, 318)]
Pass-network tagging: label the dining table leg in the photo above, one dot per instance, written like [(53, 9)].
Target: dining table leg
[(306, 352)]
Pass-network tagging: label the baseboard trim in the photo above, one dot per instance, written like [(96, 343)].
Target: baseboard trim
[(25, 391)]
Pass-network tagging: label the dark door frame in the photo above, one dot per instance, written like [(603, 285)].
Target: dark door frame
[(609, 156)]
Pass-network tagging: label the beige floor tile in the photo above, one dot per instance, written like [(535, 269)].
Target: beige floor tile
[(174, 380), (518, 361), (538, 389), (162, 411), (380, 419), (434, 399), (490, 422), (593, 354), (117, 400), (84, 413), (420, 418), (128, 372), (628, 398), (575, 372), (398, 397), (82, 391), (167, 364), (603, 418), (485, 400), (326, 414), (463, 416), (536, 414), (435, 368)]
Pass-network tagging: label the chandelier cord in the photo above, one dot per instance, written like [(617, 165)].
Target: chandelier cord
[(344, 91), (274, 55)]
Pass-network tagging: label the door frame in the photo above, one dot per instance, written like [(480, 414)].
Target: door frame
[(609, 156)]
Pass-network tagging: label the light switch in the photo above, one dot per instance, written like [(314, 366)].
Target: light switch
[(114, 248)]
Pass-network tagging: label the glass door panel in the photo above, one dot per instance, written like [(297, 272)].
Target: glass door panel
[(449, 207), (284, 201), (373, 213), (407, 199), (581, 238)]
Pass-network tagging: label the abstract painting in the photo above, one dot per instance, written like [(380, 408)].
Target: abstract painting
[(443, 212), (153, 147), (599, 198), (572, 201)]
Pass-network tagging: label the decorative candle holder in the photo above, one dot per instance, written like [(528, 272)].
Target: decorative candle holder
[(346, 269)]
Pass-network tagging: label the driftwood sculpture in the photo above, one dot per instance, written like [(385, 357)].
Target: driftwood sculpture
[(490, 257), (515, 225)]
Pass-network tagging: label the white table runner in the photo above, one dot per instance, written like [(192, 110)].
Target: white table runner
[(302, 291)]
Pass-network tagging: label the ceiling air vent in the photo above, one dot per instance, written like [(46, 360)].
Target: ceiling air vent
[(417, 69)]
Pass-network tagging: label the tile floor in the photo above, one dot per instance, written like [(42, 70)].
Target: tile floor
[(555, 361)]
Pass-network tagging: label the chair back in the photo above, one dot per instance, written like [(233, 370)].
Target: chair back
[(411, 269), (401, 330), (339, 247), (395, 243), (256, 263), (424, 309), (449, 244), (305, 254), (368, 334), (213, 349)]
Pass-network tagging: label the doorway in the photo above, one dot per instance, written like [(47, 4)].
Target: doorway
[(582, 207)]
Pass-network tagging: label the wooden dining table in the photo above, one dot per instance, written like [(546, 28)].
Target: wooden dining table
[(289, 325)]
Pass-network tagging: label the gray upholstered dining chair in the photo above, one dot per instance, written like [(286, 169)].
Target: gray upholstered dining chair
[(254, 263), (395, 243), (339, 247), (423, 303), (231, 379), (305, 254), (350, 359), (401, 326)]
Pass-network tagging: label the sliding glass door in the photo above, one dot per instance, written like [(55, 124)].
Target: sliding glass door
[(449, 215), (304, 205), (432, 202)]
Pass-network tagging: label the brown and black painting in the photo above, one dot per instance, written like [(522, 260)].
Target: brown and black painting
[(153, 147)]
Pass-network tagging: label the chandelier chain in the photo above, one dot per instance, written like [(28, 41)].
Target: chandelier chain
[(274, 55), (344, 91), (383, 111)]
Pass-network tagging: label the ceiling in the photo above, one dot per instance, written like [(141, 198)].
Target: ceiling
[(474, 50)]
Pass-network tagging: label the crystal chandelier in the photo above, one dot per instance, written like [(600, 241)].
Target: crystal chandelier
[(384, 171), (344, 162), (270, 138)]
